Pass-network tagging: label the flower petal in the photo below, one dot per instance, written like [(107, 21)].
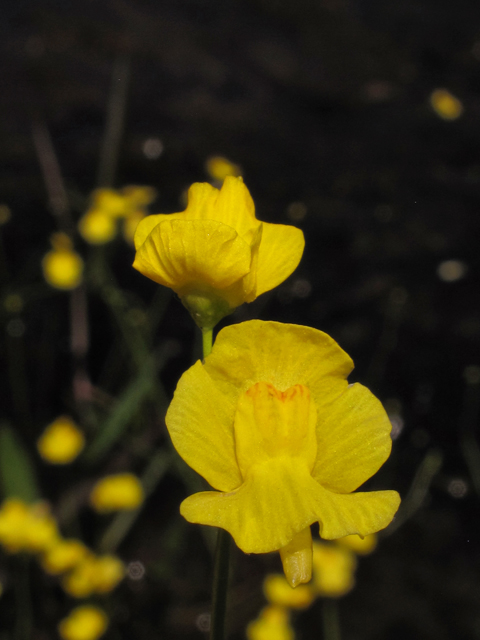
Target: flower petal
[(200, 423), (353, 437), (281, 250), (280, 499), (282, 354), (360, 513), (235, 207), (182, 253)]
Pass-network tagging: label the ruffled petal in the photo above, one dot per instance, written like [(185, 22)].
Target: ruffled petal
[(360, 513), (280, 499), (280, 252), (200, 423), (193, 253), (353, 437), (282, 354), (264, 514)]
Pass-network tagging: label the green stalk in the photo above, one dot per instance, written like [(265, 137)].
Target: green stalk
[(222, 551), (331, 622)]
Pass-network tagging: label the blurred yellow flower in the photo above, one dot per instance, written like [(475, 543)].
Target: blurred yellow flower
[(63, 556), (130, 225), (25, 527), (361, 546), (270, 421), (62, 267), (117, 492), (216, 255), (94, 575), (61, 442), (446, 105), (83, 623), (279, 592), (99, 224), (218, 168), (333, 569), (273, 623), (97, 227)]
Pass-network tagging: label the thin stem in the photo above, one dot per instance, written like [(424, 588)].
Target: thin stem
[(220, 586), (222, 551), (331, 622), (207, 338)]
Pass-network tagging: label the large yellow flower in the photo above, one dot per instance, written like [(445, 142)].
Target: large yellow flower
[(216, 255), (270, 421)]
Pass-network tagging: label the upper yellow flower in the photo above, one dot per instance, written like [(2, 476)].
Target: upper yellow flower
[(61, 442), (270, 421), (62, 267), (216, 255)]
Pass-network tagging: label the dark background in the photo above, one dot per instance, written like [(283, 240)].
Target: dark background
[(325, 105)]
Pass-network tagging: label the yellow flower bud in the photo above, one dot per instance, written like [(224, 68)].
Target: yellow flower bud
[(97, 227), (61, 442), (94, 575), (62, 267), (333, 569), (83, 623), (272, 624), (117, 492), (278, 591), (218, 168), (63, 556), (361, 546), (446, 105), (25, 527)]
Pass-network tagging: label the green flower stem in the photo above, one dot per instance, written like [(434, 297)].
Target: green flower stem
[(222, 551), (331, 622), (207, 338), (220, 586)]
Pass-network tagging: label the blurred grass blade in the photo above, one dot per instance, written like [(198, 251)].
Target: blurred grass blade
[(126, 408), (16, 470)]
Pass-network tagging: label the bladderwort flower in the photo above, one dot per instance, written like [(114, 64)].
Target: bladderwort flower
[(270, 421), (61, 442), (216, 255), (121, 491)]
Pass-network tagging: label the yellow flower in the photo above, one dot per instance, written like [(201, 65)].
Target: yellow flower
[(272, 624), (279, 592), (361, 546), (63, 556), (446, 105), (216, 255), (219, 168), (61, 442), (83, 623), (62, 267), (333, 569), (26, 527), (94, 575), (99, 224), (116, 492), (130, 225), (270, 421)]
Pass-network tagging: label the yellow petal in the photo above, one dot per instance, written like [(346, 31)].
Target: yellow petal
[(183, 254), (200, 423), (282, 354), (280, 251), (275, 502), (279, 499), (235, 207), (353, 436), (359, 513), (297, 558)]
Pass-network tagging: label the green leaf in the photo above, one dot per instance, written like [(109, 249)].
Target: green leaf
[(16, 470)]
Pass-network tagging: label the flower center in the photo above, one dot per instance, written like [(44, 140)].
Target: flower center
[(272, 424)]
